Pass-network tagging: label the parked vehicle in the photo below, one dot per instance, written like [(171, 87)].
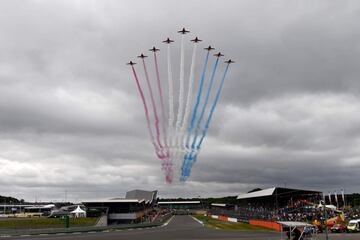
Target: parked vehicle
[(338, 228), (353, 226)]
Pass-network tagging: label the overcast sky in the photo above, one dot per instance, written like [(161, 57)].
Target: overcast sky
[(71, 118)]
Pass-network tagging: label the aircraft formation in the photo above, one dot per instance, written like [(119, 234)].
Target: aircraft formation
[(177, 136)]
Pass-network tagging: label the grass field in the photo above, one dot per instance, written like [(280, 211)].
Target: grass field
[(39, 223), (218, 224)]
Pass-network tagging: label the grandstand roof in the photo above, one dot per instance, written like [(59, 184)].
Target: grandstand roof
[(48, 206), (134, 196), (179, 202), (218, 204), (148, 196), (261, 193), (275, 190), (122, 200)]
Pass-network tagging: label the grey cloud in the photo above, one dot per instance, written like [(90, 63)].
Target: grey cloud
[(71, 117)]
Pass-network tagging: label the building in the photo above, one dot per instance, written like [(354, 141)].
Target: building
[(133, 208), (222, 206), (148, 196), (269, 204), (41, 210), (185, 205), (182, 207), (13, 208), (278, 197)]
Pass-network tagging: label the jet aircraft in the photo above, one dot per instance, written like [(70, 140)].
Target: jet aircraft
[(168, 40), (154, 49), (218, 54), (183, 31), (142, 56), (196, 40), (209, 48)]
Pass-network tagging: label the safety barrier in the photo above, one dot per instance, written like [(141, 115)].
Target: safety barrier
[(271, 225)]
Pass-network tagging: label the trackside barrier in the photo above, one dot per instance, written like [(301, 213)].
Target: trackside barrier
[(266, 224), (232, 219), (271, 225), (223, 218)]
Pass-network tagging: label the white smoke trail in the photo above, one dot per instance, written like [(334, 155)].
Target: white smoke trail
[(181, 95), (170, 132), (189, 97), (171, 99)]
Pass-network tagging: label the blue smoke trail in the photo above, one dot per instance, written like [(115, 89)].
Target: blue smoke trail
[(192, 157), (212, 108), (188, 158), (194, 113)]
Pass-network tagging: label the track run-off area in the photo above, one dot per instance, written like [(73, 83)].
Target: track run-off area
[(179, 227)]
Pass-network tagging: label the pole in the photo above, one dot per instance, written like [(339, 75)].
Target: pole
[(276, 200), (67, 221), (325, 219)]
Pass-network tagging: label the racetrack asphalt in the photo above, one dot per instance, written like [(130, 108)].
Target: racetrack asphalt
[(179, 228)]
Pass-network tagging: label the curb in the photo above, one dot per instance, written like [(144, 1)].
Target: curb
[(197, 220)]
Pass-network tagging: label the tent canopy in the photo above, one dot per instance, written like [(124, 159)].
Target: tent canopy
[(294, 224), (78, 210), (328, 206)]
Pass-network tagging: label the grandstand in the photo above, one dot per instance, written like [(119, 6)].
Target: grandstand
[(271, 204), (278, 197)]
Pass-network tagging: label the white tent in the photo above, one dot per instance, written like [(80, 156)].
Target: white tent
[(78, 213), (332, 207), (291, 225)]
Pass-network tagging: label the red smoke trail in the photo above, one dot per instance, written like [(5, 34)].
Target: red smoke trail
[(166, 165), (161, 102), (153, 105), (145, 109)]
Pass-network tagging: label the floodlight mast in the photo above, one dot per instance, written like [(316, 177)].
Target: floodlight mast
[(322, 202)]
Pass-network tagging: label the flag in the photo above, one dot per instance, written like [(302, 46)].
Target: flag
[(343, 195), (329, 198), (336, 199)]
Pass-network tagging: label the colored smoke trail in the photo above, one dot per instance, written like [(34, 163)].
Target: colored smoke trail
[(188, 158), (177, 133), (193, 146), (157, 129), (198, 98), (181, 93), (145, 109), (171, 97), (162, 107), (170, 131), (189, 95), (168, 164), (165, 159), (192, 157), (206, 127)]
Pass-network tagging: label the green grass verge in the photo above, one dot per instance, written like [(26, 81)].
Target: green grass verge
[(218, 224), (41, 223)]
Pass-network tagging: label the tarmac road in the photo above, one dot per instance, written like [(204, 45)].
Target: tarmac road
[(179, 227)]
